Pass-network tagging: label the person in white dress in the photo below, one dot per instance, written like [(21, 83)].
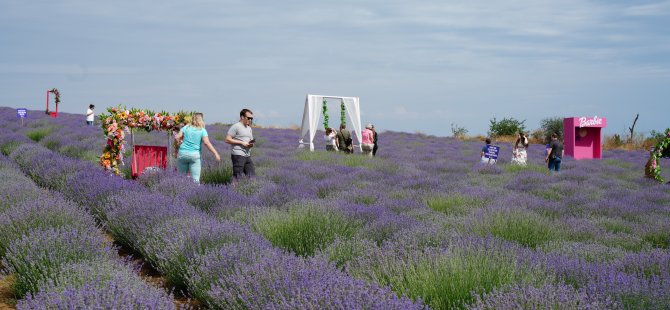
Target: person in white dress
[(519, 154), (331, 140)]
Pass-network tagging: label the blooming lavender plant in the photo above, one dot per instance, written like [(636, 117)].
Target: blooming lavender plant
[(43, 212), (97, 285), (39, 256)]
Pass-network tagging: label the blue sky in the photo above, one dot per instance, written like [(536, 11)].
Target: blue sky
[(416, 65)]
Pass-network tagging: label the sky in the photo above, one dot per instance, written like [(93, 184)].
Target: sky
[(417, 66)]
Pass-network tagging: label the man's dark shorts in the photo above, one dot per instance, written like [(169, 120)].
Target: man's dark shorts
[(242, 165)]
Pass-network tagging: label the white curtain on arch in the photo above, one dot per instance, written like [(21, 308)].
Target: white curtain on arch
[(310, 118), (354, 113)]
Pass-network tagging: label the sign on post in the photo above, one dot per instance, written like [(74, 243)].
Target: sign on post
[(21, 113), (492, 154)]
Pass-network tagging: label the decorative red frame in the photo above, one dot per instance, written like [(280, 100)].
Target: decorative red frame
[(52, 114)]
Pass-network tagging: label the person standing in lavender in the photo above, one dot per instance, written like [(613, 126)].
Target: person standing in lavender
[(374, 141), (90, 115), (554, 153), (344, 142), (241, 139), (519, 154), (189, 139), (331, 140), (367, 142)]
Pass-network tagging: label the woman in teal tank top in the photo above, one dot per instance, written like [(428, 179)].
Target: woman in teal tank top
[(190, 138)]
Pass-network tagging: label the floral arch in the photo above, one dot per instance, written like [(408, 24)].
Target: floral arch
[(120, 121), (662, 149)]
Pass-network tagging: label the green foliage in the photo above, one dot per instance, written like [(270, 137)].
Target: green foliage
[(506, 127), (448, 280), (39, 134), (219, 174), (525, 227), (325, 114), (342, 251), (458, 131), (551, 125), (9, 147), (659, 239), (455, 204), (304, 229), (657, 136)]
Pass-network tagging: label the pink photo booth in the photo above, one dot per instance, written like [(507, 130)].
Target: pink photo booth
[(583, 136)]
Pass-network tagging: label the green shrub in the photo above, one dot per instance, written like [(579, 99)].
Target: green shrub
[(659, 239), (524, 227), (455, 204), (506, 127), (304, 229), (38, 134), (342, 251), (9, 147), (447, 279), (219, 174), (458, 131)]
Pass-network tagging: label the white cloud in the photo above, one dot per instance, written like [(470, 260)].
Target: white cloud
[(652, 9)]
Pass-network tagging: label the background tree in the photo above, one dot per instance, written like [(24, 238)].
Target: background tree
[(551, 125), (458, 131), (506, 127)]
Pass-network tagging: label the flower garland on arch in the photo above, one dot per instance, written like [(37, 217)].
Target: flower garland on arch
[(326, 118), (662, 149), (120, 120)]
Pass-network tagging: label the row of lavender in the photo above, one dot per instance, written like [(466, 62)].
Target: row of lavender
[(58, 257), (419, 219), (210, 258)]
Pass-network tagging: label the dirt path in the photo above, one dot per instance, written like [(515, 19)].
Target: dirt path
[(153, 277), (7, 300)]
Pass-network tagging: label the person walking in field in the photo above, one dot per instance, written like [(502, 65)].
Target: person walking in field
[(374, 141), (190, 138), (554, 153), (344, 141), (90, 115), (241, 139), (519, 154), (367, 142)]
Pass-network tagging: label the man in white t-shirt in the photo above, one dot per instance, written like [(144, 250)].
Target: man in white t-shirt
[(241, 138), (90, 116)]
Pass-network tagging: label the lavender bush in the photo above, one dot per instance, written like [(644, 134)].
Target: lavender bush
[(97, 285), (39, 256), (422, 219)]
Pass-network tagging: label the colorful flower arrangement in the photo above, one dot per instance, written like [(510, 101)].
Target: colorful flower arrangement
[(662, 149), (120, 121)]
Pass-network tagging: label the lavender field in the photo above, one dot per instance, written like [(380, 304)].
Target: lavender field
[(422, 225)]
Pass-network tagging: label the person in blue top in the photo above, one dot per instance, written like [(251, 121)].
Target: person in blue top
[(482, 155), (190, 138)]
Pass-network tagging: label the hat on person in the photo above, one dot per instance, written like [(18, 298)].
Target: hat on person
[(369, 126)]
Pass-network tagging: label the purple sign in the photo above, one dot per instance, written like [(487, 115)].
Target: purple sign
[(492, 152), (22, 112)]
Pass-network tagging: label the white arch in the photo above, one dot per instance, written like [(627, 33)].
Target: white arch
[(312, 114)]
